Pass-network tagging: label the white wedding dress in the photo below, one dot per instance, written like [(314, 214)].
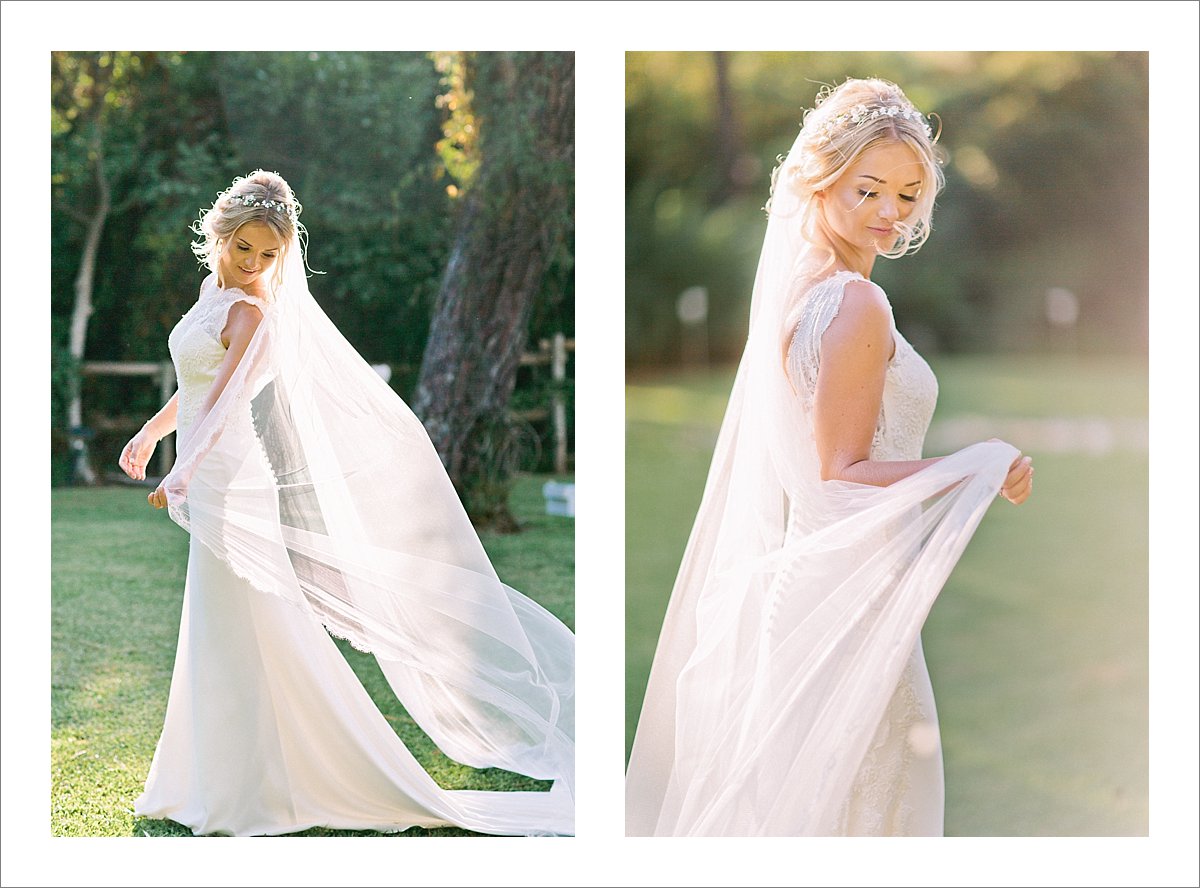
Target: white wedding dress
[(268, 730), (899, 789)]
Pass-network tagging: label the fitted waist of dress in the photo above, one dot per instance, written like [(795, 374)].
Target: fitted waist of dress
[(186, 417)]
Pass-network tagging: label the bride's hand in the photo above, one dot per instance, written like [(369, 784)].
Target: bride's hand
[(158, 499), (136, 455), (1019, 483)]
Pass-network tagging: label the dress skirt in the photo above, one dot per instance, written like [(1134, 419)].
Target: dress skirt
[(269, 731)]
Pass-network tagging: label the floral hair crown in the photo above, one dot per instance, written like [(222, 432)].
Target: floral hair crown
[(860, 114), (279, 206)]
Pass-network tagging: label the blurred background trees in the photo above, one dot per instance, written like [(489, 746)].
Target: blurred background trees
[(1030, 302), (369, 140), (1040, 240)]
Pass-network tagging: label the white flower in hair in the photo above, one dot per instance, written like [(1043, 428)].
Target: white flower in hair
[(861, 114), (248, 200)]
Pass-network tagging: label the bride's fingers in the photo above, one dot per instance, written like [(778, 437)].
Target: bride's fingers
[(131, 464), (1020, 469), (1018, 492), (1017, 489)]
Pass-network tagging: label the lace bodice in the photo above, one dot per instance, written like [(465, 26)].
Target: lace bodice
[(909, 390), (196, 348), (882, 799)]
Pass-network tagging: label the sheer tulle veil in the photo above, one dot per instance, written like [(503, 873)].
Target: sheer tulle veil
[(797, 601), (312, 480)]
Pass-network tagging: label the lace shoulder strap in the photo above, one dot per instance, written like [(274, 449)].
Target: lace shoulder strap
[(815, 311), (216, 302)]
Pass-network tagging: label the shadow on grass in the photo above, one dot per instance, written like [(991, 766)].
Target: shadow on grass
[(151, 829)]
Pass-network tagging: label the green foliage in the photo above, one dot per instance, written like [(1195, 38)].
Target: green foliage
[(64, 376), (1046, 187), (359, 135), (354, 134), (535, 394), (63, 372), (498, 448), (459, 146), (111, 675)]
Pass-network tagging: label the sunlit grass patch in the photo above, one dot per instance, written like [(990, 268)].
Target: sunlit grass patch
[(117, 590)]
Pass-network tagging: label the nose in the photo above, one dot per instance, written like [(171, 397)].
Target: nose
[(889, 210)]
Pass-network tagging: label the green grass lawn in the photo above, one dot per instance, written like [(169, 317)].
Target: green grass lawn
[(1038, 645), (117, 587)]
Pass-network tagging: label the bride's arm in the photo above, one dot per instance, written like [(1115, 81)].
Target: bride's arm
[(135, 455), (240, 326), (855, 350), (243, 321)]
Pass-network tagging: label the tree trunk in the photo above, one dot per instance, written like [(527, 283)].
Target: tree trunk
[(728, 135), (84, 284), (514, 217)]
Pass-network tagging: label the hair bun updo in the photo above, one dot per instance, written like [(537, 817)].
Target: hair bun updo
[(846, 121), (263, 197)]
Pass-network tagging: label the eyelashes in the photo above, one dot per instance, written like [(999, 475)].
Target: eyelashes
[(910, 198), (244, 249)]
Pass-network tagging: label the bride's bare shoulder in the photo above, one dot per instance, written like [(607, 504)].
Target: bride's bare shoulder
[(862, 295), (864, 315)]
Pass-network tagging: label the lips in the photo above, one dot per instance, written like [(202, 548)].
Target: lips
[(881, 231)]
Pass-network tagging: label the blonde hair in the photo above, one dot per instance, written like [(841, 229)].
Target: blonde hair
[(263, 197), (848, 120)]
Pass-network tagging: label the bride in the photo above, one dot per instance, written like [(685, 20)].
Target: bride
[(315, 501), (789, 693)]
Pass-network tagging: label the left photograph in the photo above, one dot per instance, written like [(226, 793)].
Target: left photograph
[(313, 488)]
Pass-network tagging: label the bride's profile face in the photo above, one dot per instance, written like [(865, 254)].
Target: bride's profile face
[(874, 193), (251, 252)]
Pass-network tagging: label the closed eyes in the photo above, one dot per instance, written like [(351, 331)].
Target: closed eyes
[(246, 249), (911, 198)]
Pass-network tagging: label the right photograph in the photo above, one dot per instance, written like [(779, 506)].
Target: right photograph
[(887, 447)]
